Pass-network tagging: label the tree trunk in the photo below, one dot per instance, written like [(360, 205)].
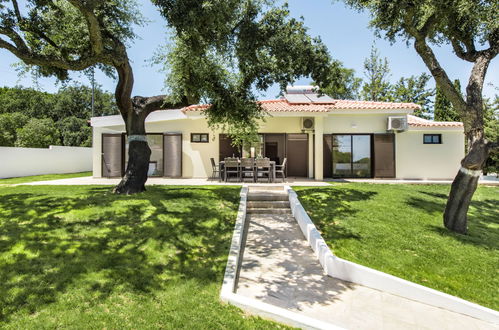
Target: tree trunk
[(139, 155), (465, 183), (134, 116)]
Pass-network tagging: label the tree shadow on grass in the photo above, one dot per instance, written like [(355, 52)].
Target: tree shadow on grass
[(98, 241), (328, 207), (483, 219)]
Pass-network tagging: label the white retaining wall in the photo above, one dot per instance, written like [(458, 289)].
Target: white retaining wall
[(16, 162), (352, 272)]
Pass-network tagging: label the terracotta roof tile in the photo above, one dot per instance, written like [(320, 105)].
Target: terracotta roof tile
[(281, 105), (354, 104), (414, 121)]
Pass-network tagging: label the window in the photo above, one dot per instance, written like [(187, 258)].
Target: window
[(432, 138), (200, 138), (352, 156)]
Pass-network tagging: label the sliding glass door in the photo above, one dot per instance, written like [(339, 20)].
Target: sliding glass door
[(352, 156)]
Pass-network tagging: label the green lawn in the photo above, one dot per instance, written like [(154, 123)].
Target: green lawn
[(45, 177), (81, 257), (398, 229)]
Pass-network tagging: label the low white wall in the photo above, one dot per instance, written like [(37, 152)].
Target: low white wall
[(355, 273), (16, 162)]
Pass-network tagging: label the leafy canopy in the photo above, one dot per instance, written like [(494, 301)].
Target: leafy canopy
[(53, 37), (225, 51), (461, 22), (38, 133)]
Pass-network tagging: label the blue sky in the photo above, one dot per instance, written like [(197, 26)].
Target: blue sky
[(343, 30)]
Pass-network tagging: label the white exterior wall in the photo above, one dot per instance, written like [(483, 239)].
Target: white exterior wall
[(195, 156), (16, 162), (356, 124), (415, 160)]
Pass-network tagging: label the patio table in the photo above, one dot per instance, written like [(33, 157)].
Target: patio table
[(272, 167)]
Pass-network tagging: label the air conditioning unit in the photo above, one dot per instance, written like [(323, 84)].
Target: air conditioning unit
[(308, 123), (397, 123)]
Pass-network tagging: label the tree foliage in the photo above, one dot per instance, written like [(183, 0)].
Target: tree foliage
[(75, 132), (492, 134), (70, 108), (444, 110), (415, 89), (76, 100), (223, 51), (38, 133), (376, 86), (9, 124), (343, 84), (29, 101)]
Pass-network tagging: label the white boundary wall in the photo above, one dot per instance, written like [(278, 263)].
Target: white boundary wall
[(16, 162), (352, 272)]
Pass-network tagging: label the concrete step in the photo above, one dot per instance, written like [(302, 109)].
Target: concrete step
[(266, 188), (268, 204), (262, 217), (265, 196), (268, 211)]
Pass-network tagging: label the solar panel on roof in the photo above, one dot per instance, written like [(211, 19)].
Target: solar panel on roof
[(320, 99), (297, 98)]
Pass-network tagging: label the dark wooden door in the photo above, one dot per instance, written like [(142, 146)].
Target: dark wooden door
[(226, 149), (172, 154), (112, 155), (297, 154), (328, 156), (384, 155)]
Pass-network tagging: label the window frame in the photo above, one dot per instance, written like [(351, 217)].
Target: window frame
[(200, 135), (432, 138)]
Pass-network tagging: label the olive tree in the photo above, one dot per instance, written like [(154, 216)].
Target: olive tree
[(221, 51), (472, 29)]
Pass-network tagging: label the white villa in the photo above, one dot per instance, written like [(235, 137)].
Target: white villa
[(320, 137)]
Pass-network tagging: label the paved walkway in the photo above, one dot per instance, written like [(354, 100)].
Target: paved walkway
[(280, 268), (88, 180)]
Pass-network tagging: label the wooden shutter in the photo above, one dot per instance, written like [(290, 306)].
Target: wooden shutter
[(112, 155), (172, 155), (328, 156), (384, 155), (297, 154)]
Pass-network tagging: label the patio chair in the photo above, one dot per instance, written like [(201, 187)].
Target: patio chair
[(281, 169), (231, 166), (263, 168), (248, 169), (216, 170)]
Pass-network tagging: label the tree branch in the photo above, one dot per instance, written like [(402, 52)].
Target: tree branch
[(17, 11), (159, 102), (429, 58), (440, 75), (469, 55), (477, 77), (94, 27)]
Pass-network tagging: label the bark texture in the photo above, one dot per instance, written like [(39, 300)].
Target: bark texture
[(464, 186), (135, 176)]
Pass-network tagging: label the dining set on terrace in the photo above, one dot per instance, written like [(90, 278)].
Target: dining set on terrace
[(244, 169)]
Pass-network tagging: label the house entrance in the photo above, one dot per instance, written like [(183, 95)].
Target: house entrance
[(275, 146)]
